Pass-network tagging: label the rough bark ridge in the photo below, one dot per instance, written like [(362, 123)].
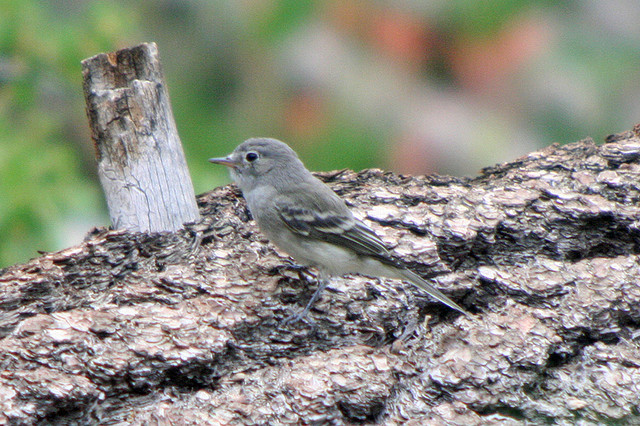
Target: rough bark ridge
[(185, 328)]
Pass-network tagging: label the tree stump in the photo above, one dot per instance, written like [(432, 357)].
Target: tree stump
[(141, 163)]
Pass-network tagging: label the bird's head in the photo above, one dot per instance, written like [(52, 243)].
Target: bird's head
[(260, 161)]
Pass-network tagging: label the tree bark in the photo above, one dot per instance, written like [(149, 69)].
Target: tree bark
[(140, 160), (185, 328)]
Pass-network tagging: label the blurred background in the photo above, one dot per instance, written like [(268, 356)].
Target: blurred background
[(413, 86)]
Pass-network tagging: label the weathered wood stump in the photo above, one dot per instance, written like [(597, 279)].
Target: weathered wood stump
[(141, 163)]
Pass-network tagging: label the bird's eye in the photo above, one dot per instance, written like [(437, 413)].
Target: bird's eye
[(251, 156)]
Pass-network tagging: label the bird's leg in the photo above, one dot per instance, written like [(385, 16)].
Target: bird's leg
[(322, 284)]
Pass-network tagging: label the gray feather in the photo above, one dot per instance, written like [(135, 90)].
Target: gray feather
[(336, 228), (416, 280)]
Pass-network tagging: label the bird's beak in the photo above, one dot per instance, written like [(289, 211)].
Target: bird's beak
[(225, 161)]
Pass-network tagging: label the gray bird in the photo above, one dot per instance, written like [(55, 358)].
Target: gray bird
[(304, 217)]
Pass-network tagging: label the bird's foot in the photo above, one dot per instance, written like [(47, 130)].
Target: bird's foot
[(294, 318), (322, 284)]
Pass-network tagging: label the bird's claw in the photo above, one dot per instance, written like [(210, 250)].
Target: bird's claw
[(294, 318)]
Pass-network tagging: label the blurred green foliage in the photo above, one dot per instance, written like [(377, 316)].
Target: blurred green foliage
[(231, 75), (44, 176)]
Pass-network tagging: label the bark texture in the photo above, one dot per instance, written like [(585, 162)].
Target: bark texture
[(185, 328), (141, 164)]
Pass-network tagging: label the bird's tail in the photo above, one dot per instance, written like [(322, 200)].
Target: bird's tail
[(431, 290)]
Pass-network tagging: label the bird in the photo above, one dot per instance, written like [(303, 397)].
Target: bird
[(304, 217)]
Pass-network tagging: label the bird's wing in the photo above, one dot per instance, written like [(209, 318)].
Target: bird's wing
[(328, 219)]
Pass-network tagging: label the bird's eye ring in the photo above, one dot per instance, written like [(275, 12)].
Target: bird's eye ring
[(251, 156)]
